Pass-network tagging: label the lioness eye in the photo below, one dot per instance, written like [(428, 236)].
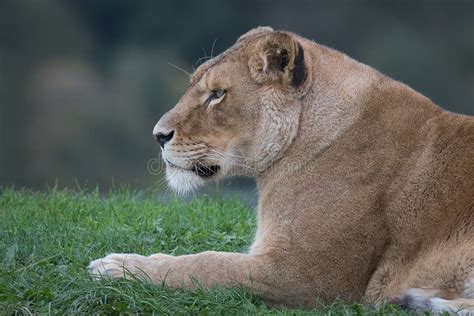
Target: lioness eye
[(218, 93), (215, 96)]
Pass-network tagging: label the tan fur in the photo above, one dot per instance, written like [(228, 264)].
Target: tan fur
[(366, 188)]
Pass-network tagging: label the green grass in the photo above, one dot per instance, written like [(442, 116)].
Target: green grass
[(47, 240)]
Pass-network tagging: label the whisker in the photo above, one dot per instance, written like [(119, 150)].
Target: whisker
[(191, 157), (203, 59), (227, 154), (193, 144), (221, 156), (189, 151), (179, 68), (212, 48)]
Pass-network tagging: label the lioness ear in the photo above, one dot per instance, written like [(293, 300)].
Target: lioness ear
[(255, 31), (278, 58)]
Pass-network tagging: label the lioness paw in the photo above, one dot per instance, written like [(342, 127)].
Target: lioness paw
[(118, 265)]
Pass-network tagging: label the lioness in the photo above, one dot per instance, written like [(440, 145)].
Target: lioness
[(366, 188)]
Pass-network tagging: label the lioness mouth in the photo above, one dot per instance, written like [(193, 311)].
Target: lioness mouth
[(205, 171), (199, 169)]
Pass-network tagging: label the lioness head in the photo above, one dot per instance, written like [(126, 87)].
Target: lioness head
[(239, 113)]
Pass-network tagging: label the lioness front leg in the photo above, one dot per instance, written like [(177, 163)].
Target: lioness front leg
[(209, 268)]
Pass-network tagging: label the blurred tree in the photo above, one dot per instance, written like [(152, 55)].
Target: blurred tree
[(30, 32)]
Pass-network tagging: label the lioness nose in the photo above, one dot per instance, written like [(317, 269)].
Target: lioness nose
[(163, 138)]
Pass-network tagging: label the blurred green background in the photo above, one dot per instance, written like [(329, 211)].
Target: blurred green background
[(83, 82)]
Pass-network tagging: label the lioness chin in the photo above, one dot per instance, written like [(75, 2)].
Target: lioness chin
[(366, 188)]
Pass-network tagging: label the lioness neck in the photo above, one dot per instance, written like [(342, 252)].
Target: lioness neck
[(357, 130), (346, 98)]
